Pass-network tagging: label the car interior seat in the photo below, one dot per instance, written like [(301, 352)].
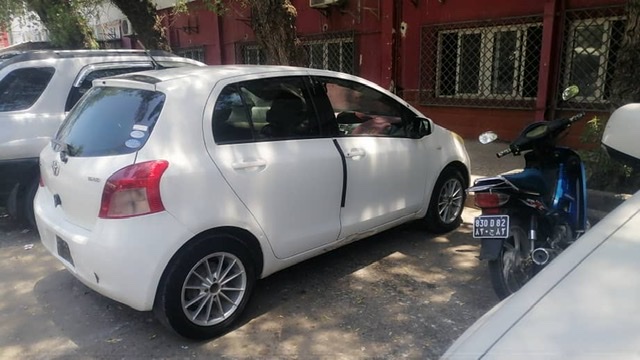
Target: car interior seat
[(286, 117)]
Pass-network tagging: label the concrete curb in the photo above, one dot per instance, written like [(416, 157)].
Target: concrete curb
[(599, 203)]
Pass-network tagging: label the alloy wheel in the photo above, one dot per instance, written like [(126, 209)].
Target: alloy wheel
[(213, 289), (450, 201)]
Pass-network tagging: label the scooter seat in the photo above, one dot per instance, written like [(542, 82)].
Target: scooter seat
[(530, 180)]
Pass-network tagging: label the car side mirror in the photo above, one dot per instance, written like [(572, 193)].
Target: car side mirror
[(420, 127)]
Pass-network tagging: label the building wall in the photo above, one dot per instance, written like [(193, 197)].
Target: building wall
[(469, 120), (389, 50)]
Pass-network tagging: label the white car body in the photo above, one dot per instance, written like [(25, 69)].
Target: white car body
[(283, 196), (584, 305)]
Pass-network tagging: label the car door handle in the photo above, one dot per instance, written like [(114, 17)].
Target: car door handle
[(355, 152), (243, 165)]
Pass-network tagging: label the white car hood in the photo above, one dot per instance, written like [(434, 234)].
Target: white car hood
[(586, 303)]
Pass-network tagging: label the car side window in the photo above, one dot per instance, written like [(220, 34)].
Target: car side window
[(21, 88), (363, 111), (77, 91), (263, 110), (231, 122)]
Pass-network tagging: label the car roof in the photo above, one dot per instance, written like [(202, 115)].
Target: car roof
[(584, 303), (220, 72), (30, 55), (214, 73)]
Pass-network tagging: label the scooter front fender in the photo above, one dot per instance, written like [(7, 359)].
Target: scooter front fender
[(490, 249)]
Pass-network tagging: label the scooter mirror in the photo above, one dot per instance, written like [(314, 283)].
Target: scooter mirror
[(570, 92), (487, 137)]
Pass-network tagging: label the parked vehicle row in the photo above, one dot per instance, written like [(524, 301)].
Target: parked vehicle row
[(176, 190)]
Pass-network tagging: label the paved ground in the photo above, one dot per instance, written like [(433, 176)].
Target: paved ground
[(402, 294)]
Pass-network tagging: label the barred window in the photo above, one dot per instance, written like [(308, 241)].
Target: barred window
[(592, 46), (330, 54), (326, 51), (192, 53), (499, 62), (254, 55)]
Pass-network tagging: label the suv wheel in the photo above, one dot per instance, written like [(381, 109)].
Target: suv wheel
[(27, 203), (206, 288)]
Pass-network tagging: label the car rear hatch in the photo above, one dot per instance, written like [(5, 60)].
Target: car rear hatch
[(101, 136)]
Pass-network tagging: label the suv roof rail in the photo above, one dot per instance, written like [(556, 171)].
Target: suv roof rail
[(27, 55)]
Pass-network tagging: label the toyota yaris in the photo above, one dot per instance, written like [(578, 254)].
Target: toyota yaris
[(176, 190)]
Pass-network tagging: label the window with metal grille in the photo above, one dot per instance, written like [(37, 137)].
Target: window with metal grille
[(192, 53), (329, 51), (330, 54), (592, 46), (254, 55), (493, 63)]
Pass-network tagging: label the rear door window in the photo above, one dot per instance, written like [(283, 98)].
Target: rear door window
[(267, 109), (21, 88), (110, 121)]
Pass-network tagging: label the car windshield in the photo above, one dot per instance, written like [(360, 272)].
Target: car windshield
[(110, 121)]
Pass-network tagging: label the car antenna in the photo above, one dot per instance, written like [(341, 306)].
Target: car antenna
[(156, 66)]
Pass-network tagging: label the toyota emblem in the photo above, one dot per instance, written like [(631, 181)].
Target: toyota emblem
[(55, 166)]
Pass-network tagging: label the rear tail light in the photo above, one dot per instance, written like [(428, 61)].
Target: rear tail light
[(41, 181), (490, 200), (133, 190)]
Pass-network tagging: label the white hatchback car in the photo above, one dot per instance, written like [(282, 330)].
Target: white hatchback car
[(175, 190)]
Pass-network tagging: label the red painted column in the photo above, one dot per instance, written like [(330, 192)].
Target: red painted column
[(387, 16), (551, 28)]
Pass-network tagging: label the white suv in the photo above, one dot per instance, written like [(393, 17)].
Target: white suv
[(37, 89), (176, 190)]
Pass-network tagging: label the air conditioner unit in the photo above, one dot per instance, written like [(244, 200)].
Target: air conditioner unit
[(320, 4), (125, 28)]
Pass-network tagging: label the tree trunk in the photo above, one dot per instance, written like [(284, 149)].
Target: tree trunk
[(145, 21), (67, 28), (626, 77), (274, 24)]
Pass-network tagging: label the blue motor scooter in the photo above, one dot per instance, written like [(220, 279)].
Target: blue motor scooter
[(529, 217)]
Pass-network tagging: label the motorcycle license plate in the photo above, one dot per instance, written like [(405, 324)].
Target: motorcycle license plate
[(491, 226)]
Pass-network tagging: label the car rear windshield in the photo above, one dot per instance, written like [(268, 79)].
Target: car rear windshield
[(110, 121)]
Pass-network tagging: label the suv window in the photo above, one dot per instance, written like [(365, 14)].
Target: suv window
[(362, 111), (265, 109), (111, 121), (21, 88), (77, 91)]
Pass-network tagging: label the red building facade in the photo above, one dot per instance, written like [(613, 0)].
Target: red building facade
[(469, 65)]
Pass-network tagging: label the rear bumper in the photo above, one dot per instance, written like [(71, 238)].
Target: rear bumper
[(120, 259)]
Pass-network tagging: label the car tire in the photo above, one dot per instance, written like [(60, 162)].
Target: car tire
[(206, 287), (29, 195), (447, 202)]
